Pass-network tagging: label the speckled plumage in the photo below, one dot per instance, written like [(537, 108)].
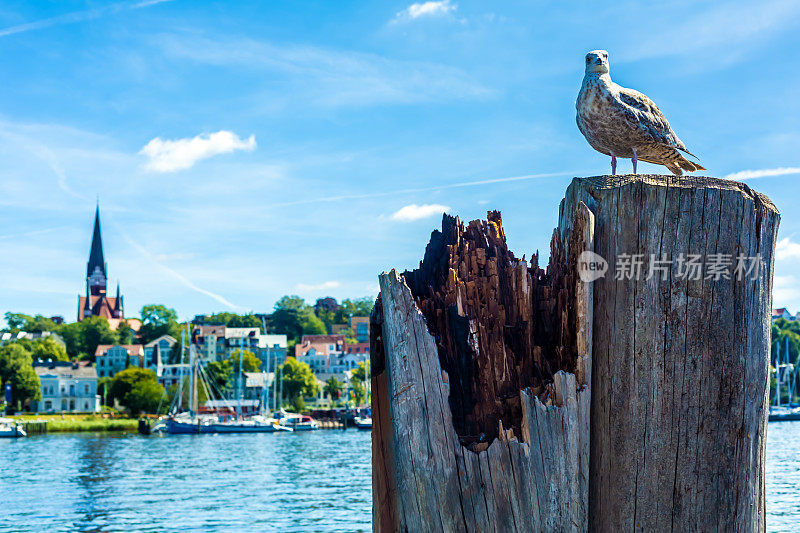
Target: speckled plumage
[(621, 122)]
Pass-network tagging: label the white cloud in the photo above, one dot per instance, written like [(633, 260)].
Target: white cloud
[(426, 9), (763, 173), (416, 212), (787, 249), (180, 154), (329, 77), (785, 292), (318, 286)]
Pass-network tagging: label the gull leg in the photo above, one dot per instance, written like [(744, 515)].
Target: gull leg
[(634, 160), (613, 164)]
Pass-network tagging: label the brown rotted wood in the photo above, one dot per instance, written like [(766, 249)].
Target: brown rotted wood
[(481, 424)]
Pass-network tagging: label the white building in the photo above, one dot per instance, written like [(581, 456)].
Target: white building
[(169, 375), (157, 352), (66, 386), (214, 343)]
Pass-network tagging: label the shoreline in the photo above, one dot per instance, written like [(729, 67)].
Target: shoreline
[(71, 423)]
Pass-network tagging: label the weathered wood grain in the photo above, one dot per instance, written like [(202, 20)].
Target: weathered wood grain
[(681, 370), (507, 398)]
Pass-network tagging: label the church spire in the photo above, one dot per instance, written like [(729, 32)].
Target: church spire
[(118, 304), (96, 259), (87, 306)]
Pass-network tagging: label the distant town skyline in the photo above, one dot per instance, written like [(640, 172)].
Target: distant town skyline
[(241, 152)]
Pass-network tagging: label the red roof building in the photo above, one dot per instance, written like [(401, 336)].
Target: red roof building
[(96, 301)]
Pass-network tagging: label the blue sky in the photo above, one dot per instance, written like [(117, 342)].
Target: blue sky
[(242, 151)]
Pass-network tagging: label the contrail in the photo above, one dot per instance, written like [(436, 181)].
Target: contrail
[(763, 173), (180, 277), (76, 16), (421, 189)]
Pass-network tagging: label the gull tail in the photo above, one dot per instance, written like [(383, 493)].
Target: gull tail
[(680, 163)]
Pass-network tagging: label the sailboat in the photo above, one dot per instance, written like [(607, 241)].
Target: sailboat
[(193, 422), (784, 373)]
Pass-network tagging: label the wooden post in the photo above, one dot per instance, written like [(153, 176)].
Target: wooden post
[(681, 368), (483, 367)]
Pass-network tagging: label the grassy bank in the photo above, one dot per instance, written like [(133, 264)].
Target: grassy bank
[(55, 423)]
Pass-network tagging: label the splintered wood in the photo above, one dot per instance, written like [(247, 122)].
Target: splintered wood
[(481, 371), (500, 325)]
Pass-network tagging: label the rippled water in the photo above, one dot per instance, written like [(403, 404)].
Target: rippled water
[(316, 481), (783, 476)]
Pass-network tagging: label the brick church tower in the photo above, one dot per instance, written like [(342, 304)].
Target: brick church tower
[(96, 302)]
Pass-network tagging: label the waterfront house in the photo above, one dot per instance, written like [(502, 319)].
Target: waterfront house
[(214, 343), (257, 385), (782, 313), (209, 341), (111, 359), (158, 352), (170, 374), (66, 386), (321, 352)]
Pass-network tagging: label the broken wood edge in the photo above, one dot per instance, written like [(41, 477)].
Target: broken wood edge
[(423, 478), (565, 384)]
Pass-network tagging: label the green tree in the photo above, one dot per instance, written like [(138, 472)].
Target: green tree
[(222, 375), (333, 388), (354, 307), (130, 388), (218, 374), (785, 335), (104, 389), (233, 320), (16, 321), (358, 380), (250, 363), (298, 379), (145, 396), (125, 334), (158, 320), (45, 348), (16, 369), (31, 324), (96, 331), (73, 337), (294, 318)]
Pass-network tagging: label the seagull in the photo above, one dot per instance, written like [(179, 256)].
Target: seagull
[(625, 123)]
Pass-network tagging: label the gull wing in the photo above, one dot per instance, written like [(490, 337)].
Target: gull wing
[(639, 109)]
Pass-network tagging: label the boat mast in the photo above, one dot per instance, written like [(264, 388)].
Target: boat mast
[(180, 365), (239, 385), (788, 378), (193, 383), (778, 375)]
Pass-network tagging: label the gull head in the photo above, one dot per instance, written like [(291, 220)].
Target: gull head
[(597, 62)]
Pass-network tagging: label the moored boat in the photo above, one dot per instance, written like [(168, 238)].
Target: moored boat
[(363, 422), (297, 422), (11, 429)]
